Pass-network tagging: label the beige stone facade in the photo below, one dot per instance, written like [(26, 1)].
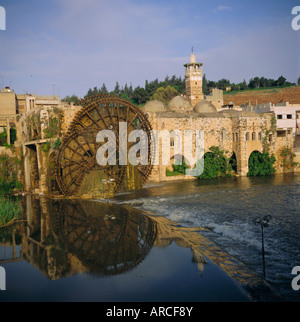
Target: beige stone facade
[(8, 102), (43, 121)]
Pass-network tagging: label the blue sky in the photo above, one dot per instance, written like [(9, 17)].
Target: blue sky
[(69, 46)]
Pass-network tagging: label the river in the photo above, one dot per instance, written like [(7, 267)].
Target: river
[(228, 209), (179, 241)]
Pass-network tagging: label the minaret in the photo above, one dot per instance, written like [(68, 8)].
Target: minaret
[(193, 80)]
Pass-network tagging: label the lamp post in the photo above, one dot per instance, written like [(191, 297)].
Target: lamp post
[(264, 222)]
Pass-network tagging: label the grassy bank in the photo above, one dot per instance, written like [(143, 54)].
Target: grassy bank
[(10, 212)]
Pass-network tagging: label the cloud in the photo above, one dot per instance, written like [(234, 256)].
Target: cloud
[(260, 52), (223, 8), (88, 43)]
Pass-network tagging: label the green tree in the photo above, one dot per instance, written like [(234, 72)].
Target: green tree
[(254, 82), (223, 83), (298, 81), (281, 81), (71, 99), (165, 94), (244, 85), (103, 89), (116, 91), (204, 85), (139, 95)]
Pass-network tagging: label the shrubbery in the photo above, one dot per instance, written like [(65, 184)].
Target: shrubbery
[(216, 164), (10, 212), (261, 164)]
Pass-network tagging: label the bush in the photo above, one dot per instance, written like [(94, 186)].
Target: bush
[(180, 168), (6, 188), (261, 164), (10, 212), (216, 164), (3, 137)]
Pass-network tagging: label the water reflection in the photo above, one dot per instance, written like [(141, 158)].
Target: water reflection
[(68, 237)]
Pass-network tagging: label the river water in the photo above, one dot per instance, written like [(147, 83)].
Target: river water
[(228, 209), (178, 241)]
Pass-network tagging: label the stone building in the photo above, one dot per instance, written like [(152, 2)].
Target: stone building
[(235, 131), (42, 123)]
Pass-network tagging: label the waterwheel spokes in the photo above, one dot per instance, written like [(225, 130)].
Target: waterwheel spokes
[(77, 154)]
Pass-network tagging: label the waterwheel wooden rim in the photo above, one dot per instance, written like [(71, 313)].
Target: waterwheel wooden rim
[(77, 153)]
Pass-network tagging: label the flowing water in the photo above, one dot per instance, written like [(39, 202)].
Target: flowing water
[(177, 241), (228, 209)]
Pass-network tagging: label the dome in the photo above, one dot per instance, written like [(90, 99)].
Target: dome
[(154, 106), (179, 103), (205, 107)]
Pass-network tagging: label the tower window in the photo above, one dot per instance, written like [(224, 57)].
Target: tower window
[(172, 142)]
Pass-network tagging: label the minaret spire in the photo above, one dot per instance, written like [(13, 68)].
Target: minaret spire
[(193, 80)]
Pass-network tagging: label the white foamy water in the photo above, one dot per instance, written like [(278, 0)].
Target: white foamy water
[(228, 208)]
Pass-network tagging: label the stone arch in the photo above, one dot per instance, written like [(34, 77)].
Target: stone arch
[(249, 158), (259, 165), (184, 161), (179, 157), (233, 161)]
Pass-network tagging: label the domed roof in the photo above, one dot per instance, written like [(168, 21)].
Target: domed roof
[(205, 107), (180, 103), (154, 106)]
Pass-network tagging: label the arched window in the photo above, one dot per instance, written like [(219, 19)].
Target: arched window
[(253, 136), (223, 134), (236, 136), (259, 136), (270, 137), (172, 142), (247, 136)]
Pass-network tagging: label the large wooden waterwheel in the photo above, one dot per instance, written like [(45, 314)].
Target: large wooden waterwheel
[(76, 157)]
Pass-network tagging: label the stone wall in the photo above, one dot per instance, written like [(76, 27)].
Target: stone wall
[(238, 133)]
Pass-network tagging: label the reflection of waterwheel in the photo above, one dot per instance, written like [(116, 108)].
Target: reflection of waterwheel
[(77, 153), (105, 238)]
